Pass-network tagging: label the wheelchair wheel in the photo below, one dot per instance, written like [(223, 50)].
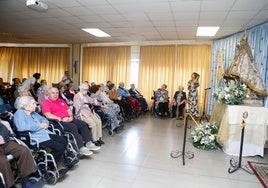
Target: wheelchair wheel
[(50, 177), (110, 132)]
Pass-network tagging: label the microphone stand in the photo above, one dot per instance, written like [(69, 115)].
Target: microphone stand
[(204, 116)]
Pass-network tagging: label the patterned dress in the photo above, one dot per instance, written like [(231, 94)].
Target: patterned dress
[(193, 98)]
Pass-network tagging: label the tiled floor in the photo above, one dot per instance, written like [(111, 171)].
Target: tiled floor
[(139, 157)]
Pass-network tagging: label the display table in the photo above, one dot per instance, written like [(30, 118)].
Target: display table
[(230, 118)]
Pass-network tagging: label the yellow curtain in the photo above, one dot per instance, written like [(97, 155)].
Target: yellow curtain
[(56, 62), (106, 63), (6, 63), (27, 61), (156, 68), (173, 65), (193, 58), (23, 62)]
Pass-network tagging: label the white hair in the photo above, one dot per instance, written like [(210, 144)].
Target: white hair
[(21, 89), (84, 85), (24, 101)]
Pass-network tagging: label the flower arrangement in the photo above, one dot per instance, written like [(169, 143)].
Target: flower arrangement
[(231, 93), (203, 137)]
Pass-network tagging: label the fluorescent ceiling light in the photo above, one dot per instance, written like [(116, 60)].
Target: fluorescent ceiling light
[(96, 32), (207, 31)]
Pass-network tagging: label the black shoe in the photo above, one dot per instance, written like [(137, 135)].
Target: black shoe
[(70, 163), (63, 171), (100, 141), (97, 143)]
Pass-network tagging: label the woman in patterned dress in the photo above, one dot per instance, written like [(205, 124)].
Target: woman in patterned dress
[(193, 84)]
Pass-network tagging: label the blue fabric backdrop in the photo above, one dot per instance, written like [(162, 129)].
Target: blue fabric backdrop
[(223, 50)]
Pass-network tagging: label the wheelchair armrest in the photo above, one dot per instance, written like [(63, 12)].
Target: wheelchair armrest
[(53, 120), (52, 128), (26, 137)]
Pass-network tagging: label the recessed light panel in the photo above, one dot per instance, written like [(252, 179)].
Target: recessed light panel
[(96, 32), (207, 31)]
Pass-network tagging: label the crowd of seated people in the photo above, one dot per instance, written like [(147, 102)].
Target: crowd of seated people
[(57, 109), (86, 126)]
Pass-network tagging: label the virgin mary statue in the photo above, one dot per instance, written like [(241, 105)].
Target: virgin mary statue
[(243, 67)]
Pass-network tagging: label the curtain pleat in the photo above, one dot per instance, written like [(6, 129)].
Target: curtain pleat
[(156, 68), (23, 62), (101, 64)]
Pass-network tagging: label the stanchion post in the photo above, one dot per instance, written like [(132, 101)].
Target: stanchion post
[(177, 153), (235, 165)]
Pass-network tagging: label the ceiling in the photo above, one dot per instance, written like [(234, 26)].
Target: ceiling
[(126, 20)]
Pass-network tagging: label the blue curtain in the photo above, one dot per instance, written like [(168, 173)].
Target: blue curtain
[(223, 52)]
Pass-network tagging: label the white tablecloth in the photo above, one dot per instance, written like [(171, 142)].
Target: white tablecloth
[(254, 134)]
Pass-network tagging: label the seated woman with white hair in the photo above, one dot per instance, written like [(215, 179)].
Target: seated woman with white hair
[(104, 98), (26, 119), (179, 101), (108, 110), (84, 113)]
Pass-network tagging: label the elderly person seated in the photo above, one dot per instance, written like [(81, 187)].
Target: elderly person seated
[(137, 95), (117, 98), (162, 100), (22, 91), (106, 109), (64, 96), (126, 95), (26, 119), (43, 95), (43, 82), (57, 109), (23, 157), (179, 100), (104, 98), (70, 91), (83, 112)]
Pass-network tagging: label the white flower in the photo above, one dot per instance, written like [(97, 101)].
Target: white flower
[(232, 93), (203, 136)]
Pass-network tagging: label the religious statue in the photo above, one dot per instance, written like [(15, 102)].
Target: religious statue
[(243, 67)]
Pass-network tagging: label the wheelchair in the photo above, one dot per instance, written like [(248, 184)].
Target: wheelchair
[(72, 151), (2, 181), (155, 111), (45, 161), (107, 120), (10, 158)]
